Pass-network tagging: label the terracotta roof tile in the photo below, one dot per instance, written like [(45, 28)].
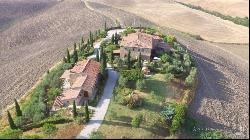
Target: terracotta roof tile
[(139, 39), (70, 94), (79, 81), (65, 75), (79, 67)]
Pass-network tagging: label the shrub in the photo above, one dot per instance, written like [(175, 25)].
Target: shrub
[(20, 121), (80, 120), (168, 113), (136, 121), (132, 100), (96, 135), (11, 133), (132, 75), (191, 77), (140, 84), (123, 81), (179, 118), (33, 136), (169, 77), (49, 128), (128, 30)]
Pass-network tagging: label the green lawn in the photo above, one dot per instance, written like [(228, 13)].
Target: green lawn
[(118, 117)]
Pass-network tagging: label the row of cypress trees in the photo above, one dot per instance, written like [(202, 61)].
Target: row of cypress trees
[(18, 114)]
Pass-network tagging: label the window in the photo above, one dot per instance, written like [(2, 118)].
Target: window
[(86, 94)]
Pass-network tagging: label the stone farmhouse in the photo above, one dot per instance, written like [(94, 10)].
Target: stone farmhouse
[(79, 84), (143, 43)]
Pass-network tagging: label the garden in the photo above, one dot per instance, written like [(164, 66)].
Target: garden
[(154, 106)]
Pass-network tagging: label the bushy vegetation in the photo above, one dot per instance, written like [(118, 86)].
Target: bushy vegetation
[(38, 106), (49, 128), (169, 39), (179, 118), (96, 135), (34, 136), (132, 100), (136, 121), (128, 30), (140, 85), (237, 20), (189, 81), (9, 133)]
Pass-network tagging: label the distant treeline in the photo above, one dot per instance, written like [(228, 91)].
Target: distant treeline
[(237, 20)]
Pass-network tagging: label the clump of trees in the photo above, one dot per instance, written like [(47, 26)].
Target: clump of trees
[(237, 20)]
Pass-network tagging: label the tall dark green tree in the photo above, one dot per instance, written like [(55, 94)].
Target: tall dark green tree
[(11, 122), (86, 112), (74, 109), (101, 53), (103, 65), (97, 55), (139, 62), (129, 59), (18, 109), (116, 39), (113, 39), (75, 55), (112, 57), (68, 56), (105, 26)]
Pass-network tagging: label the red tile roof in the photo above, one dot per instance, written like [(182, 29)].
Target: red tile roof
[(58, 102), (70, 94), (92, 71), (79, 81), (139, 39), (66, 75), (79, 67)]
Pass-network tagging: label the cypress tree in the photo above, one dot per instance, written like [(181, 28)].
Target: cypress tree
[(103, 65), (129, 60), (11, 122), (18, 110), (101, 53), (75, 55), (139, 62), (105, 26), (74, 109), (113, 39), (116, 39), (97, 56), (68, 56), (86, 112)]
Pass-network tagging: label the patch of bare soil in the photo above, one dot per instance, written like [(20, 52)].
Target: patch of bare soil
[(15, 10), (30, 47)]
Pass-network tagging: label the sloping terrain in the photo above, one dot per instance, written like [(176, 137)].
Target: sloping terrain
[(14, 10), (30, 47), (170, 14), (227, 7)]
